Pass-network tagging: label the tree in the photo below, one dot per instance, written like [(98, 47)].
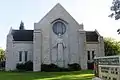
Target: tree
[(111, 46), (2, 55), (115, 8)]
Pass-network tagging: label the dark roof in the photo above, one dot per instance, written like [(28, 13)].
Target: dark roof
[(91, 36), (27, 35), (22, 35)]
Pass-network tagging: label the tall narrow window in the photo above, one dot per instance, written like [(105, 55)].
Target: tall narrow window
[(20, 56), (88, 52), (26, 52), (93, 53)]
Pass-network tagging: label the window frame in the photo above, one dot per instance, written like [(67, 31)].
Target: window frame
[(88, 55), (59, 27), (93, 54), (26, 56), (20, 56)]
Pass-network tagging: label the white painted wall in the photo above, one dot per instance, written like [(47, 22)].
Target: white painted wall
[(92, 46), (12, 52), (95, 46), (82, 56), (48, 37), (23, 46), (10, 62), (37, 50)]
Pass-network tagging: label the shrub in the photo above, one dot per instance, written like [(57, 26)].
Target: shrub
[(2, 64), (52, 68), (74, 67), (20, 66), (64, 69), (49, 67), (27, 66), (44, 67)]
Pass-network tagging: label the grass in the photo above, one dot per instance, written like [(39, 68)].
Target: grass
[(76, 75)]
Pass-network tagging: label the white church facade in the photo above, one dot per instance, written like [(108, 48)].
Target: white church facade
[(57, 38)]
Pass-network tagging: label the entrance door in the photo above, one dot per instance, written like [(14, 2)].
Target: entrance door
[(90, 65), (90, 56)]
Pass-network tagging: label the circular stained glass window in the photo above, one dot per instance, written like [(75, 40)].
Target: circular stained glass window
[(59, 28)]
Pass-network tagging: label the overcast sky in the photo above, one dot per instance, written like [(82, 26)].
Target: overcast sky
[(92, 13)]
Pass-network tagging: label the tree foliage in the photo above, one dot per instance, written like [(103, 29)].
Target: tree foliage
[(115, 8), (2, 55), (111, 46)]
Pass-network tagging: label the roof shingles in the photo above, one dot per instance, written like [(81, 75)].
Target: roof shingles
[(27, 35), (91, 36), (22, 35)]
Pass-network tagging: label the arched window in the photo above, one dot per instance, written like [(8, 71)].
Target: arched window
[(59, 28)]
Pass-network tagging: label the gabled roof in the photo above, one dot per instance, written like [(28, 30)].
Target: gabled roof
[(22, 35), (91, 36), (58, 11)]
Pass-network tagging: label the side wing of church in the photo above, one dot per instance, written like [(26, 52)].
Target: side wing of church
[(57, 38)]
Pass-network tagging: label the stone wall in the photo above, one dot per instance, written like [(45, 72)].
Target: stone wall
[(23, 46), (12, 52)]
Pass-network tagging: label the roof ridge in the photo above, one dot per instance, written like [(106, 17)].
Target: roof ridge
[(89, 31), (24, 30)]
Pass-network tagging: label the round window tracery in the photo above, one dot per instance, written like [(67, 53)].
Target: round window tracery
[(59, 28)]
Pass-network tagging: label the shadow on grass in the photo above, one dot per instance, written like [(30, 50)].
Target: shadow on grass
[(77, 75)]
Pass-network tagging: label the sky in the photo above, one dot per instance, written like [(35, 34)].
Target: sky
[(92, 13)]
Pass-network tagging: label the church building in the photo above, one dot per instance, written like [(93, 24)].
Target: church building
[(57, 38)]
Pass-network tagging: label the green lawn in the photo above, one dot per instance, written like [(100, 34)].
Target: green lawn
[(77, 75)]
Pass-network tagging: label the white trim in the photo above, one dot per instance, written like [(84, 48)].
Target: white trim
[(10, 31), (31, 42), (109, 66), (95, 42), (107, 57)]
